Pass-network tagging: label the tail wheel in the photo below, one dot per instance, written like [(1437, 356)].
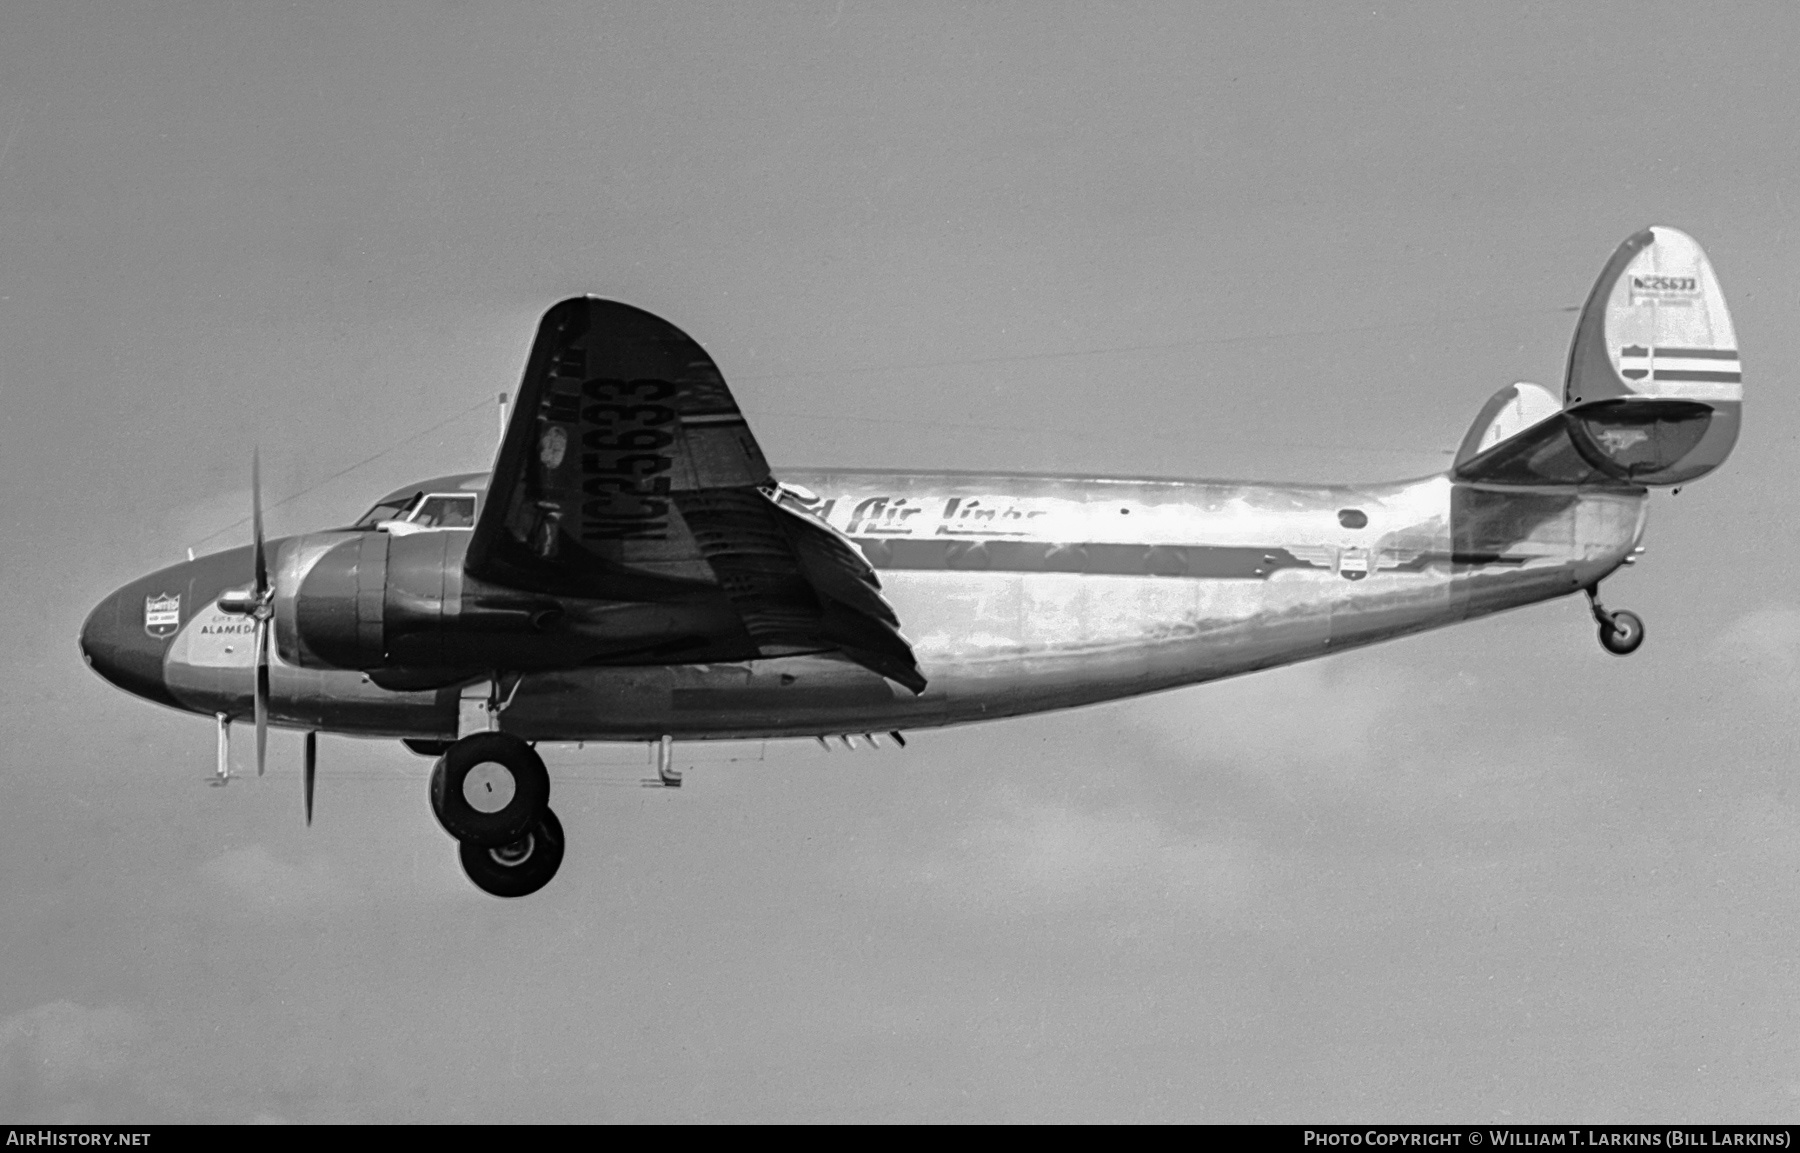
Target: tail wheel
[(1621, 633), (489, 789), (521, 867)]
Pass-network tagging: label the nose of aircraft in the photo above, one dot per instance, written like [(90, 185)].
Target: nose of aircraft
[(126, 636)]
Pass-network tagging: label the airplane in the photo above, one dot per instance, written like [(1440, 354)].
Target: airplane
[(631, 570)]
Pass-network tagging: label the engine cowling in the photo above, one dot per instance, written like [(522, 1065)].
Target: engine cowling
[(373, 601)]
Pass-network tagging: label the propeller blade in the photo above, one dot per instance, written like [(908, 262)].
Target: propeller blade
[(262, 692), (312, 765), (256, 521)]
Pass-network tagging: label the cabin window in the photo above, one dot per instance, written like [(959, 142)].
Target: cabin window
[(444, 511), (1353, 518)]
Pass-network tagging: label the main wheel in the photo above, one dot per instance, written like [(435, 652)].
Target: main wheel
[(1622, 633), (489, 789), (520, 868)]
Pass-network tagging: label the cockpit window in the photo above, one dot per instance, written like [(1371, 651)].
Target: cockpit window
[(446, 512), (421, 510), (389, 510)]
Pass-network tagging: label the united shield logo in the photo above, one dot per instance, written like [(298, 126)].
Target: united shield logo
[(162, 615)]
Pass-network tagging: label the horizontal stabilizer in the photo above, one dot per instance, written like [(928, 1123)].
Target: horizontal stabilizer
[(1540, 454)]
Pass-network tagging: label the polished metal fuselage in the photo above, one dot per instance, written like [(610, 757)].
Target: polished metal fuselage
[(1022, 594)]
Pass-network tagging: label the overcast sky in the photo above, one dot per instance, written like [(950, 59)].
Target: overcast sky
[(1487, 873)]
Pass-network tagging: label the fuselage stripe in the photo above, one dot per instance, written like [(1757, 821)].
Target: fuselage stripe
[(1202, 562)]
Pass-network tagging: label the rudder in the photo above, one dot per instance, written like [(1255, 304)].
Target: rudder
[(1653, 393), (1654, 390)]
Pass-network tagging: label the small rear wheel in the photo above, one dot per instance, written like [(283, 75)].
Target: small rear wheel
[(489, 789), (520, 868), (1621, 633)]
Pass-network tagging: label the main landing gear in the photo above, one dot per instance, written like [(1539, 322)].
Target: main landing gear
[(520, 868), (491, 792), (1621, 632)]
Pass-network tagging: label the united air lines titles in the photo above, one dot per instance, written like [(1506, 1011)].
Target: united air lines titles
[(907, 516)]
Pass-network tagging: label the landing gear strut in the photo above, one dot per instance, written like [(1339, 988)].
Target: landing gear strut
[(1621, 632), (491, 792)]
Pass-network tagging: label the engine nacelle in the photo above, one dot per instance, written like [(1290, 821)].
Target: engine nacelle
[(373, 601)]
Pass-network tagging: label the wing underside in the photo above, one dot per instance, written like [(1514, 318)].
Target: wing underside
[(628, 473)]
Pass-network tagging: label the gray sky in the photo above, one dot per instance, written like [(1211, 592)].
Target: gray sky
[(1490, 872)]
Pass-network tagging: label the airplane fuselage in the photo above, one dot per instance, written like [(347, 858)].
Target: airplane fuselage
[(1019, 594), (633, 570)]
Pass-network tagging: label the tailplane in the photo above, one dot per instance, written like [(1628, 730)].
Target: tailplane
[(1653, 393)]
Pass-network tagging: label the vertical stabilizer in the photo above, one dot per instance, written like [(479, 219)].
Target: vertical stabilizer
[(1512, 410), (1654, 389)]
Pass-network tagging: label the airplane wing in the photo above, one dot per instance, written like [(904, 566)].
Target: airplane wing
[(628, 473)]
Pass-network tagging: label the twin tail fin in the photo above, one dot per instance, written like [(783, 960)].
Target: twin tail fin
[(1653, 393)]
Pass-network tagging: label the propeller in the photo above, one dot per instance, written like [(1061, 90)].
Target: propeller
[(264, 611), (258, 603)]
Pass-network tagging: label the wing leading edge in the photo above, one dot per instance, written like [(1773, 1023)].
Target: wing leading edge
[(628, 473)]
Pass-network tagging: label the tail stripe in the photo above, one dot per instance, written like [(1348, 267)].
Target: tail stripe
[(1644, 366), (1695, 374), (1699, 353)]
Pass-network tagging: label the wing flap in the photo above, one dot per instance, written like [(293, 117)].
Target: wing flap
[(856, 616), (796, 583)]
